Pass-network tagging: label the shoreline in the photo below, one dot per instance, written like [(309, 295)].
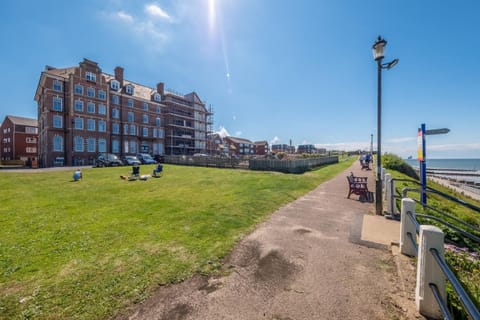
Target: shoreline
[(457, 187)]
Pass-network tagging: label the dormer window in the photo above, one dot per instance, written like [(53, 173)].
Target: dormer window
[(129, 89), (157, 97), (115, 85), (90, 76)]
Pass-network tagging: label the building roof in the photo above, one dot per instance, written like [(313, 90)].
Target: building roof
[(263, 142), (23, 121), (239, 140)]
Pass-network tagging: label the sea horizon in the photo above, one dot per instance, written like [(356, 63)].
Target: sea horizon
[(472, 164)]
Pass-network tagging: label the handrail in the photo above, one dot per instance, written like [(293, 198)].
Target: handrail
[(443, 308), (462, 294), (461, 231)]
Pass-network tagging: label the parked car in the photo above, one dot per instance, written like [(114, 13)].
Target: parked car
[(159, 158), (130, 160), (145, 158), (107, 160)]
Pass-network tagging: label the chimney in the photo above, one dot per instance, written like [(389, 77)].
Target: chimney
[(119, 75), (160, 88)]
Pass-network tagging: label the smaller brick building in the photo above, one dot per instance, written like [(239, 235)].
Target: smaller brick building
[(260, 148), (19, 140)]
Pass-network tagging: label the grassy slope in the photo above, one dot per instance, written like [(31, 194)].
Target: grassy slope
[(87, 249)]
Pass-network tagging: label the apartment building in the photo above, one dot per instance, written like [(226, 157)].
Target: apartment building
[(283, 148), (260, 148), (83, 111), (19, 140), (240, 146)]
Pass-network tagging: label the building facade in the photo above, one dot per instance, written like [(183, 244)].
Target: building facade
[(283, 148), (240, 146), (83, 111), (306, 148), (19, 140), (261, 148)]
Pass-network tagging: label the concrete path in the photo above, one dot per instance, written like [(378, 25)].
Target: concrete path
[(322, 256)]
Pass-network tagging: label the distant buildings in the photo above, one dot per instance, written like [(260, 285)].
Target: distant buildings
[(283, 148), (83, 111), (19, 140)]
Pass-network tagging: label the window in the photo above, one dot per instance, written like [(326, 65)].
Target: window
[(91, 145), (102, 95), (57, 85), (114, 85), (131, 118), (57, 104), (115, 146), (157, 122), (157, 97), (125, 129), (145, 118), (129, 89), (130, 103), (102, 109), (145, 106), (29, 130), (78, 144), (57, 143), (90, 76), (79, 123), (79, 89), (115, 128), (133, 146), (132, 130), (57, 121), (115, 113), (91, 92), (102, 145), (31, 140), (91, 124), (31, 149), (155, 132), (78, 105), (157, 109), (160, 133), (145, 132), (91, 107), (102, 126), (115, 99)]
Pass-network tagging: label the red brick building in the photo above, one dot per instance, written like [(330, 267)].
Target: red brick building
[(260, 148), (19, 140), (240, 146), (83, 111)]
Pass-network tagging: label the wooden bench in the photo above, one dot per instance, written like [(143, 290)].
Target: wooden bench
[(358, 186)]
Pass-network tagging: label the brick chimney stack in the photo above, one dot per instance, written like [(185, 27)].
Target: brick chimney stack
[(119, 75), (161, 88)]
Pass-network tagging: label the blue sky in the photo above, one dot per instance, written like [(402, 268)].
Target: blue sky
[(272, 70)]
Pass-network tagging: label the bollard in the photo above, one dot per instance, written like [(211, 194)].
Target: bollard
[(428, 272), (407, 226), (388, 178), (382, 175)]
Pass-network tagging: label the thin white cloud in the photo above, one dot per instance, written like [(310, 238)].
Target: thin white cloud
[(275, 140), (223, 132), (155, 11), (454, 147), (121, 15), (401, 140), (238, 133)]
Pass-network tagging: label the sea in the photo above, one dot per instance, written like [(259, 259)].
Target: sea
[(460, 170)]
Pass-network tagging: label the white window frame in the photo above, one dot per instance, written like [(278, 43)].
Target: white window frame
[(145, 106), (131, 117), (102, 126), (91, 124), (145, 118), (90, 107), (102, 95), (79, 144), (115, 146), (115, 85), (57, 85), (57, 121), (115, 99), (57, 143), (60, 104), (90, 76), (79, 89), (78, 105), (79, 123), (91, 92), (145, 131), (129, 89), (116, 113), (102, 109), (157, 97), (130, 103), (91, 145), (102, 145), (115, 128)]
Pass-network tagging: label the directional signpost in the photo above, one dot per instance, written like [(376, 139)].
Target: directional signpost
[(422, 158)]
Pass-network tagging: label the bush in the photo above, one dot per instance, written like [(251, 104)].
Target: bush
[(394, 162)]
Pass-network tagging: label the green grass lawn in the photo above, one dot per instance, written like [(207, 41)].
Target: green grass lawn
[(90, 249)]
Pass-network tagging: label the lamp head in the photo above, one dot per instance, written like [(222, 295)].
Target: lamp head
[(379, 48)]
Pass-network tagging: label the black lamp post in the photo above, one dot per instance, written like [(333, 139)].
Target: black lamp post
[(378, 54)]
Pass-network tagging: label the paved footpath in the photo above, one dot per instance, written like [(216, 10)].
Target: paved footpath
[(322, 256)]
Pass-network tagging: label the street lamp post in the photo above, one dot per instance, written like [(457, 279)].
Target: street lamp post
[(378, 55)]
